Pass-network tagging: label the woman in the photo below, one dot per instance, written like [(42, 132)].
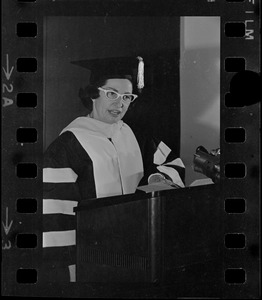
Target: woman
[(97, 156)]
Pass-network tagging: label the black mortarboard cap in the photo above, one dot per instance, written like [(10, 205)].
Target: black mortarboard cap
[(118, 67)]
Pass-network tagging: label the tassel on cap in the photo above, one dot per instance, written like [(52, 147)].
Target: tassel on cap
[(140, 74)]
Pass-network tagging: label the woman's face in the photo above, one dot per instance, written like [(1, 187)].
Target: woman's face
[(111, 111)]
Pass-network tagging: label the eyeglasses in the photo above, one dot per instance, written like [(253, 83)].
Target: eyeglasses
[(113, 95)]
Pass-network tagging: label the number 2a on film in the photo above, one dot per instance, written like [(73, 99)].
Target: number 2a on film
[(7, 86)]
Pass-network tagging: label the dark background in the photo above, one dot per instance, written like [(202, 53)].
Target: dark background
[(156, 39)]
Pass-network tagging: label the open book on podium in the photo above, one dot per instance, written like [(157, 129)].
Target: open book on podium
[(151, 237)]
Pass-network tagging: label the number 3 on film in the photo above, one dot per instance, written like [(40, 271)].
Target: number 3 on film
[(7, 88)]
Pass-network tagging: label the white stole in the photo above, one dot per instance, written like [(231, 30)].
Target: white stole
[(117, 165)]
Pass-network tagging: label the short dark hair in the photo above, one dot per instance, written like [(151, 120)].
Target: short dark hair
[(91, 91)]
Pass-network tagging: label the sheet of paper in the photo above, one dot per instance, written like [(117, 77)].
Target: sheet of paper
[(154, 187), (202, 182)]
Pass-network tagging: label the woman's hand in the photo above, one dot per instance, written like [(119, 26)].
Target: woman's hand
[(160, 179)]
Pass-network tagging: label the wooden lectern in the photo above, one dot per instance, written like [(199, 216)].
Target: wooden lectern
[(158, 237)]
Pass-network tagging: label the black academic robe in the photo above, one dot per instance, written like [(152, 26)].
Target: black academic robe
[(66, 153)]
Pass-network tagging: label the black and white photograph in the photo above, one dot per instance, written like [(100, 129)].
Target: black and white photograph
[(119, 94), (129, 117)]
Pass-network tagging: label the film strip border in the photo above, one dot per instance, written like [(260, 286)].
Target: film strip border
[(22, 142), (22, 135), (240, 160)]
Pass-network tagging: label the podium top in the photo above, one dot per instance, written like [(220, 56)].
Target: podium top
[(188, 192)]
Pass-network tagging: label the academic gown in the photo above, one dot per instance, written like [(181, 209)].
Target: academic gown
[(91, 159)]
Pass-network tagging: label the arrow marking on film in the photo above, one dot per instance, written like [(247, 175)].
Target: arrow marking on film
[(7, 226), (8, 72)]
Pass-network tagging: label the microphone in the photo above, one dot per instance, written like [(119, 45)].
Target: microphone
[(207, 163)]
